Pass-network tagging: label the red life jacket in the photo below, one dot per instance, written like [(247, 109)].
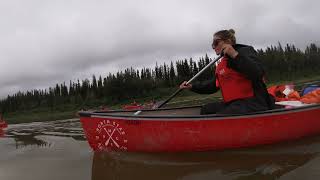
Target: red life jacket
[(233, 84)]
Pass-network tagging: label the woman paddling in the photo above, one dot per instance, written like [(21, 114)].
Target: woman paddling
[(239, 76)]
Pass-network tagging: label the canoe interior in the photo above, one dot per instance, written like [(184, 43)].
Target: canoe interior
[(195, 110)]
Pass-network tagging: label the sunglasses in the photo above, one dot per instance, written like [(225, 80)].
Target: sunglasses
[(215, 43)]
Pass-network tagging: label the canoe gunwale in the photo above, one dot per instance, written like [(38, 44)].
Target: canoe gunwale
[(109, 114)]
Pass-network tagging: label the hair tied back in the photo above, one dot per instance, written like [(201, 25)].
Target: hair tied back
[(231, 31)]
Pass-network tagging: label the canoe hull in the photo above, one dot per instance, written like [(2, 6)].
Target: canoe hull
[(108, 133), (3, 124)]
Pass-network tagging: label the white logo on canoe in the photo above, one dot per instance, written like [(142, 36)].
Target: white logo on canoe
[(110, 135)]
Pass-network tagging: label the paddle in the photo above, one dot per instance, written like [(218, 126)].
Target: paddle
[(193, 78)]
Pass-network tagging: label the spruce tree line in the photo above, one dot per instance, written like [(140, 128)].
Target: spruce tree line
[(288, 63)]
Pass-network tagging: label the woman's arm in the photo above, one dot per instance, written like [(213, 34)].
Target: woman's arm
[(246, 62), (205, 87)]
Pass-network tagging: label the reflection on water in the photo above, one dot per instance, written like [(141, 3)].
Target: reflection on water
[(59, 150), (45, 150), (266, 162), (28, 139), (27, 134)]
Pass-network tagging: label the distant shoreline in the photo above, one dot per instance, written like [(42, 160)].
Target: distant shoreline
[(41, 115)]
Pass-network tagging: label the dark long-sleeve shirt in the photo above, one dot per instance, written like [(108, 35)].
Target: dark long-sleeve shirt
[(246, 63)]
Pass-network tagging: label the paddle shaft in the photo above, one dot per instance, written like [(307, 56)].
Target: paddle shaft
[(193, 78)]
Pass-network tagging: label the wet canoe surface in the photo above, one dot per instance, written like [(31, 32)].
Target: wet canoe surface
[(59, 150), (182, 130)]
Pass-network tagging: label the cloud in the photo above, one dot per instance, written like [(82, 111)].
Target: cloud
[(46, 42)]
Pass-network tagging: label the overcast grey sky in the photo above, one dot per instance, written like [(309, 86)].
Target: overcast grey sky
[(44, 42)]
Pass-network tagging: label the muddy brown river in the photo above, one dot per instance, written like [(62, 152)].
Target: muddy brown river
[(58, 150)]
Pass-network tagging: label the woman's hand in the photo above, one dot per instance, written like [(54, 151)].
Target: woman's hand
[(229, 50), (184, 85)]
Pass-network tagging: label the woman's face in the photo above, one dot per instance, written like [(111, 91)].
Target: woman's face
[(217, 44)]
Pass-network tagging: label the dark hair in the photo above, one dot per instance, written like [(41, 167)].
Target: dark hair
[(226, 35)]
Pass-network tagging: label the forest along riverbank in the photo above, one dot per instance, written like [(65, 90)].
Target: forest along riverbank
[(185, 98)]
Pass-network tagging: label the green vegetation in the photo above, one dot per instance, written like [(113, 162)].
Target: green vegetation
[(60, 102)]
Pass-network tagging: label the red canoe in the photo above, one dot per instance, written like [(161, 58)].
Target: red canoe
[(183, 129), (3, 124)]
